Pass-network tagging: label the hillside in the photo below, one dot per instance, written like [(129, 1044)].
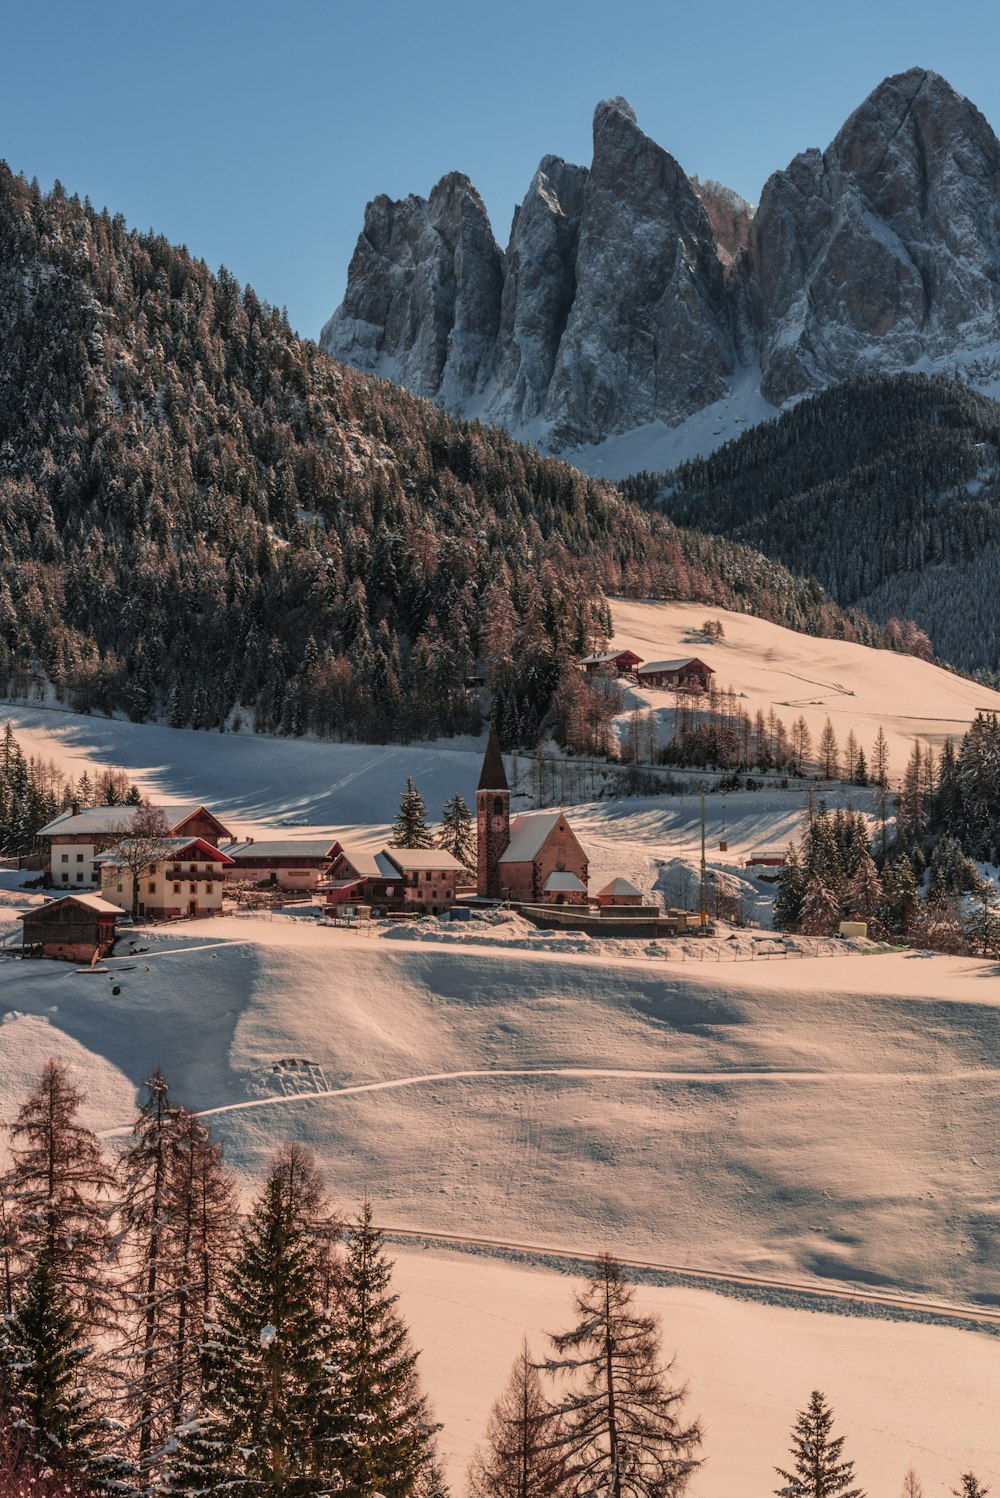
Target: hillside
[(204, 518), (887, 489)]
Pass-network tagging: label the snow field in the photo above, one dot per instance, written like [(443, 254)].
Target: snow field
[(903, 1394), (826, 1119), (769, 666)]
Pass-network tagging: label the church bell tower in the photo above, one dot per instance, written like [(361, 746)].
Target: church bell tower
[(492, 818)]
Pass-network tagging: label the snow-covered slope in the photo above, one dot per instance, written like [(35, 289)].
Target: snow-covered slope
[(769, 666), (921, 1396), (827, 1118)]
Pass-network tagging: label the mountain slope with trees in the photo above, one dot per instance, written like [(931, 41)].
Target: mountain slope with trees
[(204, 518), (887, 489)]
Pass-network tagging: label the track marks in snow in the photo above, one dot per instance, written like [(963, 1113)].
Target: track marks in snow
[(584, 1073)]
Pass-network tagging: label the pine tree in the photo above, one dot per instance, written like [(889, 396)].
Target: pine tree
[(790, 893), (865, 894), (457, 831), (59, 1191), (828, 751), (271, 1418), (820, 908), (622, 1412), (819, 1471), (971, 1487), (391, 1444), (522, 1456), (410, 829), (44, 1360), (912, 1486)]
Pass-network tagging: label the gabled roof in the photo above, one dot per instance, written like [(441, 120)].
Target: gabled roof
[(285, 847), (688, 660), (619, 887), (562, 880), (425, 858), (177, 847), (527, 835), (606, 657), (493, 776), (105, 819), (90, 902), (369, 865)]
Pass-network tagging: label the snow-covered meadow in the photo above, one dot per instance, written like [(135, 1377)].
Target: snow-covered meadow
[(815, 1119)]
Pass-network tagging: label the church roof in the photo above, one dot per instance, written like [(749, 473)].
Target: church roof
[(494, 776), (527, 835)]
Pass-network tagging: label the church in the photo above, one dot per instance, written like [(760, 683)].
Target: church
[(536, 859)]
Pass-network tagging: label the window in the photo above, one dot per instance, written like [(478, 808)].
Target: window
[(79, 858), (177, 889), (65, 877), (194, 888), (152, 886), (192, 868), (498, 806), (64, 858), (120, 888), (79, 877)]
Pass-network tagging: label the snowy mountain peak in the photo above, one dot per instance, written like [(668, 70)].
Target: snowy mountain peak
[(635, 304)]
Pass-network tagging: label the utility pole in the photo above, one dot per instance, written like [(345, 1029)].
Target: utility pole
[(704, 869)]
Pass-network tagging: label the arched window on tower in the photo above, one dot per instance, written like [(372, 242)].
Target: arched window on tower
[(498, 806)]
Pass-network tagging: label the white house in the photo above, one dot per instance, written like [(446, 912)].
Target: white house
[(188, 881)]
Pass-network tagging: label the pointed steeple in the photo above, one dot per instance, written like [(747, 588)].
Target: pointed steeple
[(494, 776)]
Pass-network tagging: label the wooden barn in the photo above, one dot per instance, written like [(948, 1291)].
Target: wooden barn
[(612, 662), (73, 928), (690, 675)]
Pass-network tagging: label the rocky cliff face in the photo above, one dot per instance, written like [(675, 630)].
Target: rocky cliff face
[(647, 337), (423, 294), (631, 294), (883, 250), (729, 215)]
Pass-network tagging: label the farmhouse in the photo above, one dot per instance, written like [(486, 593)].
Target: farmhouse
[(77, 836), (289, 863), (185, 881), (612, 662), (690, 675), (75, 928), (418, 881)]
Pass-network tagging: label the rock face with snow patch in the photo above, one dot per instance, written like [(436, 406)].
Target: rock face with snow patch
[(631, 294), (883, 250), (538, 292), (647, 337), (423, 294)]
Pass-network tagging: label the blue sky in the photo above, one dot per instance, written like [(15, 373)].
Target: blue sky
[(254, 133)]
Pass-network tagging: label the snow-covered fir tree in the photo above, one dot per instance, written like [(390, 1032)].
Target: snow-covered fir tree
[(271, 1416), (971, 1487), (391, 1446), (626, 1435), (44, 1360), (457, 833), (819, 1469), (409, 828)]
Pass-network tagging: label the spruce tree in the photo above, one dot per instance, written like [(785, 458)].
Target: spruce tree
[(270, 1419), (59, 1192), (44, 1360), (410, 829), (865, 895), (912, 1486), (819, 1470), (390, 1449), (820, 910), (971, 1487), (522, 1455), (790, 893), (457, 832), (625, 1434)]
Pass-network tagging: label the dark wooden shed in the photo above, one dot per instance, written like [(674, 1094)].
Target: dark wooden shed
[(73, 928)]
